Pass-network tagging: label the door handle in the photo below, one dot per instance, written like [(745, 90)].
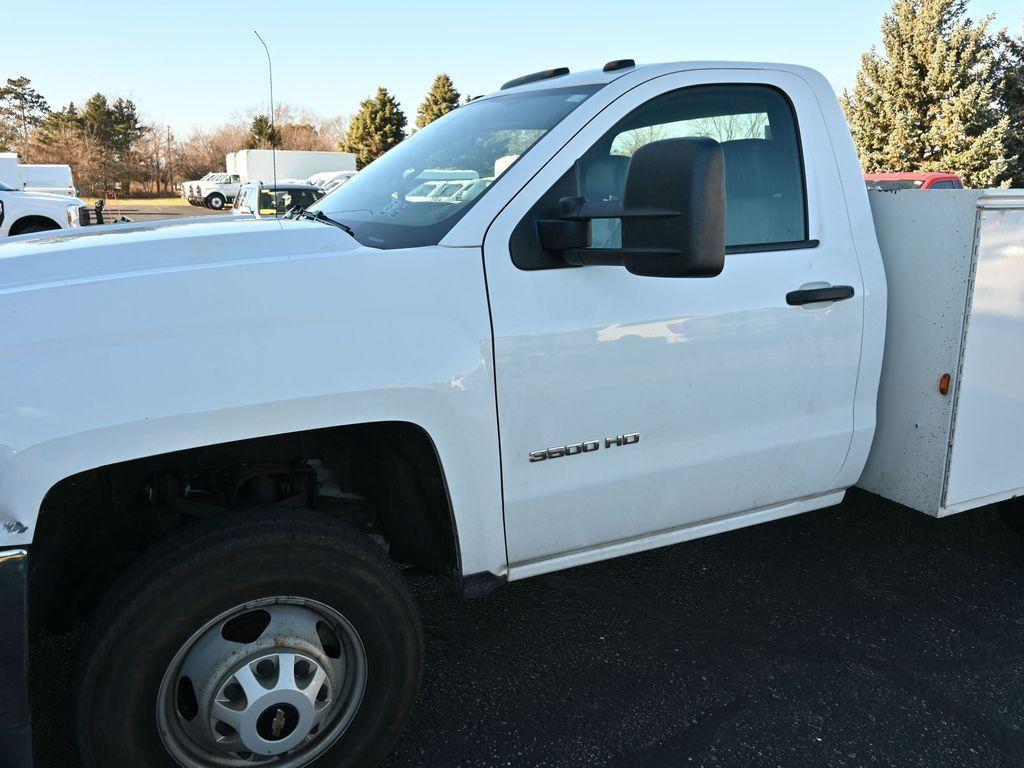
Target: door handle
[(814, 295)]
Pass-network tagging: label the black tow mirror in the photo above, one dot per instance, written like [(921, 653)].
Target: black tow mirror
[(672, 214)]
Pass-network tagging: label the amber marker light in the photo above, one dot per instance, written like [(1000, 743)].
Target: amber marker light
[(944, 384)]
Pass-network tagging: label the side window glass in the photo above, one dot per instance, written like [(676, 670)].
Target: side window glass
[(266, 204), (765, 197)]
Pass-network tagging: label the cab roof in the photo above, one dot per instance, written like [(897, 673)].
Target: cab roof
[(561, 77)]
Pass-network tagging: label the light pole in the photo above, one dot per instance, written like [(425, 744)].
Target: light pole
[(270, 70)]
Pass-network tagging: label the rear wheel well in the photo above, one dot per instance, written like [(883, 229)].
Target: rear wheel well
[(384, 477), (32, 223)]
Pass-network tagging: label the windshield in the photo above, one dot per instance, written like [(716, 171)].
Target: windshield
[(415, 193)]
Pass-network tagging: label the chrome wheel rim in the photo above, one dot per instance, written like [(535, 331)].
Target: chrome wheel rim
[(270, 682)]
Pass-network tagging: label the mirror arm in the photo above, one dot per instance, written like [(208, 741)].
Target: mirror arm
[(569, 234), (578, 209), (612, 257)]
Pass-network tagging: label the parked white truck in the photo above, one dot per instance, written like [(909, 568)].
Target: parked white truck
[(222, 441), (23, 212), (214, 190)]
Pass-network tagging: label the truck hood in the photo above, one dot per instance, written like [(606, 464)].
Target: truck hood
[(124, 250), (48, 197)]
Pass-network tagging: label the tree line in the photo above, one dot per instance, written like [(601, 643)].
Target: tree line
[(943, 93), (112, 150)]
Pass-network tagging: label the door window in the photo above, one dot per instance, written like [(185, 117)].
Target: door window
[(756, 127)]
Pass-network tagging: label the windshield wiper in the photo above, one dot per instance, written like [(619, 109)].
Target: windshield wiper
[(321, 216)]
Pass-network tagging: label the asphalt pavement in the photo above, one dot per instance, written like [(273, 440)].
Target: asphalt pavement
[(146, 210), (863, 635)]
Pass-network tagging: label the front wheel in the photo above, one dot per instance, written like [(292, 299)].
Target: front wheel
[(267, 637), (215, 201)]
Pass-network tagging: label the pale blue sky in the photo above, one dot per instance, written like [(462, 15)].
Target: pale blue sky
[(192, 63)]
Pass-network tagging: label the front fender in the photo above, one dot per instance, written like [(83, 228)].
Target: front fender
[(180, 342)]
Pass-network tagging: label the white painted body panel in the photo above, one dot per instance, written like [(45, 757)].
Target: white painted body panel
[(150, 338), (987, 455), (742, 402), (955, 266)]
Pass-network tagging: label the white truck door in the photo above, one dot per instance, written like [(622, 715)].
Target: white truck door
[(707, 397)]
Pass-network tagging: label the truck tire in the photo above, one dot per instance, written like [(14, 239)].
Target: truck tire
[(258, 634), (215, 200)]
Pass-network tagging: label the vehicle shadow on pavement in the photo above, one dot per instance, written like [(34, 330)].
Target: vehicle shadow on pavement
[(862, 634)]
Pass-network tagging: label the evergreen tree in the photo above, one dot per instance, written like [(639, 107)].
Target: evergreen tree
[(441, 99), (263, 135), (110, 133), (59, 124), (97, 120), (1011, 100), (115, 127), (928, 103), (21, 110), (127, 128), (378, 126)]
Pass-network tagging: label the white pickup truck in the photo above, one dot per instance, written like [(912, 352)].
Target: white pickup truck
[(214, 190), (664, 317), (23, 212)]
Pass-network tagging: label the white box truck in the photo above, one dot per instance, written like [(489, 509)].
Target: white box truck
[(258, 164), (217, 190), (645, 324)]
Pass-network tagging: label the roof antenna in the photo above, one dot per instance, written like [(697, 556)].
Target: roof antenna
[(273, 141)]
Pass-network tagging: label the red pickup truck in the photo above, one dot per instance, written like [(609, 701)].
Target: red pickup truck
[(913, 181)]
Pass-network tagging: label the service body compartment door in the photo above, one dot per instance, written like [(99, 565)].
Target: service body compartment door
[(987, 458), (740, 401)]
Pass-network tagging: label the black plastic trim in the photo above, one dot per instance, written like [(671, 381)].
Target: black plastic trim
[(15, 723), (617, 64), (546, 74), (481, 584), (818, 295), (792, 245)]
